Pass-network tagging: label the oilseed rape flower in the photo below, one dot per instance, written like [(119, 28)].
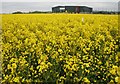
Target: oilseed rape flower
[(86, 80), (60, 47), (14, 65), (117, 79), (16, 79)]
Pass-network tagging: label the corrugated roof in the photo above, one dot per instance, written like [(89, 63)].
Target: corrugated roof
[(70, 6)]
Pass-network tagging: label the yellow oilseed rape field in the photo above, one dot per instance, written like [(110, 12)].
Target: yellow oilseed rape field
[(60, 48)]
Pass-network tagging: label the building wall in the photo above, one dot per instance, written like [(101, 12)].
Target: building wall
[(85, 9), (56, 9), (70, 9)]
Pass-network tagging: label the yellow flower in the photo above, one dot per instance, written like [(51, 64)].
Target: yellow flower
[(86, 80), (99, 62), (31, 68), (87, 49), (8, 66), (87, 64), (84, 51), (117, 79), (14, 65), (118, 71), (48, 48), (71, 74), (16, 79), (115, 67), (60, 50), (113, 71), (82, 67), (111, 81), (62, 77)]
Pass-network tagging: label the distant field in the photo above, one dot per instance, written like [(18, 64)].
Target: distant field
[(60, 48)]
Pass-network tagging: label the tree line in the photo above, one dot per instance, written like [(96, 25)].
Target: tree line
[(94, 12)]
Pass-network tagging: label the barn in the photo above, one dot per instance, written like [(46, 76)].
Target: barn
[(72, 9)]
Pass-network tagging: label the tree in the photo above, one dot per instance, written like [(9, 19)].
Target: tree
[(18, 12)]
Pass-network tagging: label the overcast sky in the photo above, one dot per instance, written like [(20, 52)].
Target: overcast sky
[(60, 0), (9, 6)]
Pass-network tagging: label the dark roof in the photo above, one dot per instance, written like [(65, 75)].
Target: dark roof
[(58, 6), (70, 6)]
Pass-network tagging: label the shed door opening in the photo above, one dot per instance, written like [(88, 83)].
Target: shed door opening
[(77, 10), (62, 9)]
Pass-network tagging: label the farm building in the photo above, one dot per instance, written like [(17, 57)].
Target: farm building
[(72, 9)]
